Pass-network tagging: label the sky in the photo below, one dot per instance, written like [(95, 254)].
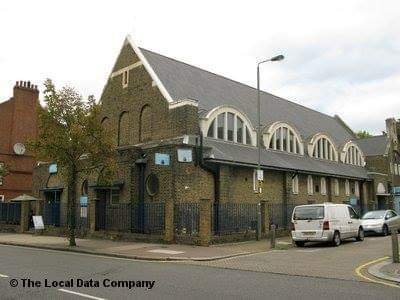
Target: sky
[(341, 57)]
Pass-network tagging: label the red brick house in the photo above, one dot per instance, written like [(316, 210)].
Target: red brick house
[(18, 125)]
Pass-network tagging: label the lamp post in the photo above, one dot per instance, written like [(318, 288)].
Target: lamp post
[(275, 58)]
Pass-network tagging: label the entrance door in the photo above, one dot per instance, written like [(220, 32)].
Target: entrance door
[(51, 213), (382, 202), (101, 203)]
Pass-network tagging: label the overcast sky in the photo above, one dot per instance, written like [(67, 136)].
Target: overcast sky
[(342, 57)]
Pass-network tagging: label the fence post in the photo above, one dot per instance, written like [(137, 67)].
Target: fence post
[(259, 221), (24, 222), (169, 222), (272, 236), (395, 245), (205, 222), (92, 215)]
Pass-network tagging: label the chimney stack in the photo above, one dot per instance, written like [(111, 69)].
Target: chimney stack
[(26, 85)]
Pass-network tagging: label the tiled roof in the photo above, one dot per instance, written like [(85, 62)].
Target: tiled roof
[(375, 145), (184, 81), (228, 152)]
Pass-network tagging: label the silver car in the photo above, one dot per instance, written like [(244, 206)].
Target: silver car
[(380, 221)]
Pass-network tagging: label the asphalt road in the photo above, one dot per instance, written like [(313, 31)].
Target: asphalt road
[(171, 280)]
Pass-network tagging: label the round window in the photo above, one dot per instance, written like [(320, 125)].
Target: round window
[(152, 184)]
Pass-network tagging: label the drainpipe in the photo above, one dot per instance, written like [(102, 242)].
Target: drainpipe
[(215, 172)]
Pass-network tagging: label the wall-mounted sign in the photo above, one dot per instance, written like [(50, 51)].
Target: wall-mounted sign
[(84, 201), (353, 201), (260, 175), (53, 168), (162, 159), (185, 155)]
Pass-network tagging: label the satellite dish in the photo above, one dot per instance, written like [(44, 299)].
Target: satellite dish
[(19, 149)]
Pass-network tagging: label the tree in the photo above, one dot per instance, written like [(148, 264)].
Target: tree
[(71, 135), (362, 134)]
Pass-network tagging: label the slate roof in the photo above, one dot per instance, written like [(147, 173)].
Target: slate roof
[(375, 145), (184, 81), (226, 152)]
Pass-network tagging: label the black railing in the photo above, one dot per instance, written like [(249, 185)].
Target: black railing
[(280, 214), (186, 218), (10, 213), (51, 213), (235, 217)]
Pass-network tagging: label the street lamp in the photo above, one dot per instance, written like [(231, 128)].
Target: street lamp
[(259, 176)]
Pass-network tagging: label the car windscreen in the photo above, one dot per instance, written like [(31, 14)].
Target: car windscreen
[(308, 213), (378, 214)]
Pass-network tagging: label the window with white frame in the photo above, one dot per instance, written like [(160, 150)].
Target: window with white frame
[(323, 148), (353, 155), (295, 184), (1, 168), (310, 185), (125, 78), (356, 189), (229, 126), (347, 187), (323, 186), (396, 169), (336, 186), (282, 137), (2, 198)]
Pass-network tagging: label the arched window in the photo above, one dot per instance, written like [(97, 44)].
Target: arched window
[(310, 185), (336, 186), (145, 124), (295, 184), (281, 136), (105, 122), (323, 186), (322, 147), (347, 187), (352, 155), (226, 123), (85, 188), (123, 129)]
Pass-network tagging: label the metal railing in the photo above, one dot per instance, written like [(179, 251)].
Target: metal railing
[(235, 217), (186, 218), (10, 213)]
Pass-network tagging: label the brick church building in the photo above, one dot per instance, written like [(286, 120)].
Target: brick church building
[(187, 155), (18, 125)]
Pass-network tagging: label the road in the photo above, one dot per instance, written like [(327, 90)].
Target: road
[(171, 280)]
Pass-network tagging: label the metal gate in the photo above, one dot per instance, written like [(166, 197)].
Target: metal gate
[(51, 213)]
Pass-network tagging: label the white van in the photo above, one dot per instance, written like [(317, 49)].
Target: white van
[(325, 222)]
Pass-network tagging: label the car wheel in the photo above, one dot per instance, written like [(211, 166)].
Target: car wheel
[(385, 230), (299, 243), (360, 236), (336, 239)]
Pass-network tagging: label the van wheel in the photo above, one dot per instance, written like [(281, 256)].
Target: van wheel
[(336, 239), (385, 230), (299, 243), (360, 236)]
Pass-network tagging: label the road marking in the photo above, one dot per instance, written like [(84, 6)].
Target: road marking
[(359, 268), (309, 251), (4, 276), (80, 294), (164, 251)]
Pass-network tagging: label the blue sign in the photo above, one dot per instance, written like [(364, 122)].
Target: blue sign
[(184, 155), (162, 159), (353, 201), (53, 168), (396, 190), (84, 201)]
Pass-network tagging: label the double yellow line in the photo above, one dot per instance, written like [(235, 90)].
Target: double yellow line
[(359, 273)]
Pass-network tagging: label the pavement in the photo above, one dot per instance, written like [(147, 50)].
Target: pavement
[(315, 260), (29, 273), (386, 270), (139, 250)]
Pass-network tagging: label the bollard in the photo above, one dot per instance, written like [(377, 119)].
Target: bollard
[(395, 246), (272, 236)]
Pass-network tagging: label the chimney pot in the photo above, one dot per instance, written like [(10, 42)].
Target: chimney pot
[(20, 83), (29, 84)]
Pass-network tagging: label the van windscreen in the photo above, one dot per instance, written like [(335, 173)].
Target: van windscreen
[(312, 212)]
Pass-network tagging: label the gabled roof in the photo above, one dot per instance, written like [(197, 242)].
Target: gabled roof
[(225, 152), (375, 145), (184, 81)]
